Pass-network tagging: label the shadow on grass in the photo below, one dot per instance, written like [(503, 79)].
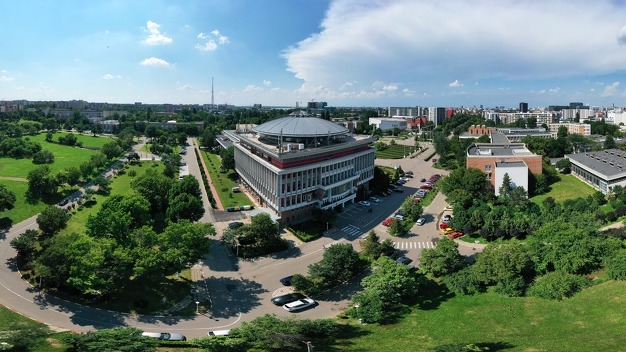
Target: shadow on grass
[(430, 294), (484, 346), (231, 296), (347, 333)]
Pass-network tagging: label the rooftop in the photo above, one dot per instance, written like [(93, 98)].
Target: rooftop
[(511, 164), (498, 149), (300, 125), (610, 163)]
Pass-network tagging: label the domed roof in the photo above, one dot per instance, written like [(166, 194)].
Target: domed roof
[(300, 126)]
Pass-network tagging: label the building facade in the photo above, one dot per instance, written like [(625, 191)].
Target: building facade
[(296, 164), (385, 124), (602, 170), (517, 171), (572, 128), (484, 156)]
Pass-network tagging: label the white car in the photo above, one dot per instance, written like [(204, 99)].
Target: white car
[(164, 336), (374, 200), (420, 221), (365, 203), (299, 304)]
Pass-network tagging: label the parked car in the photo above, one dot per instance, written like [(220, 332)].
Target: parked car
[(387, 222), (454, 234), (446, 218), (426, 187), (449, 207), (399, 217), (299, 304), (423, 180), (408, 173), (365, 203), (447, 230), (287, 298), (286, 280), (64, 202), (420, 221), (404, 260), (219, 333), (374, 200), (443, 225), (434, 160), (235, 224), (399, 190), (164, 336)]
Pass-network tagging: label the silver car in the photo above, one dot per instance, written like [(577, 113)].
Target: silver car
[(165, 336)]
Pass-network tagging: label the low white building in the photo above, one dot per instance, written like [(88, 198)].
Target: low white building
[(385, 123), (517, 171)]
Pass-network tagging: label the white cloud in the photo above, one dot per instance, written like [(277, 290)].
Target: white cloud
[(211, 41), (451, 41), (267, 83), (252, 88), (610, 90), (4, 78), (455, 84), (390, 88), (109, 76), (185, 87), (155, 62), (155, 37)]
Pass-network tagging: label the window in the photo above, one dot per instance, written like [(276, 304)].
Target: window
[(488, 168)]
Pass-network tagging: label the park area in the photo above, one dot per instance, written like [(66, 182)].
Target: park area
[(568, 187), (224, 182), (395, 151)]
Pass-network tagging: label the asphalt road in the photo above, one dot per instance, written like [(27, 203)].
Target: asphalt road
[(240, 290)]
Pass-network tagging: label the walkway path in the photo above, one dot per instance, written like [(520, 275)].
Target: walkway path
[(198, 152), (20, 179)]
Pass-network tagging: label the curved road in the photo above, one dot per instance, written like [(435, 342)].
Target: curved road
[(240, 290)]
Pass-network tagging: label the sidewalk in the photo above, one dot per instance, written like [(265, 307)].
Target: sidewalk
[(218, 203)]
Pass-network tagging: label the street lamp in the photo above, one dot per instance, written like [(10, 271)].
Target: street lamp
[(197, 307)]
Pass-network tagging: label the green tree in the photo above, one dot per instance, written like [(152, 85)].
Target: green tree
[(369, 307), (398, 228), (565, 165), (111, 149), (185, 206), (185, 242), (118, 216), (25, 243), (228, 158), (340, 263), (49, 136), (115, 339), (445, 259), (464, 282), (557, 285), (391, 281), (155, 188), (412, 209), (25, 337), (609, 142), (616, 265), (41, 182), (503, 263), (43, 157), (7, 199), (52, 220), (72, 175), (188, 184)]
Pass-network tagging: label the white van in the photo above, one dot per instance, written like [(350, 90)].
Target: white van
[(219, 333)]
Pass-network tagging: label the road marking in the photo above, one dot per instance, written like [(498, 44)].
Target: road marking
[(413, 245)]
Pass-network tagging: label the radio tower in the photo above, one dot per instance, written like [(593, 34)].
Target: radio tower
[(212, 97)]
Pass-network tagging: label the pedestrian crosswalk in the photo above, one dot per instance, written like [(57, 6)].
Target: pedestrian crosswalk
[(413, 245), (352, 231)]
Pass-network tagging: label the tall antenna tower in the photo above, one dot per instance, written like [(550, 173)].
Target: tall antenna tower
[(212, 96)]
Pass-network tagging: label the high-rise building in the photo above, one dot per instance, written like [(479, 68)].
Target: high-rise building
[(523, 107)]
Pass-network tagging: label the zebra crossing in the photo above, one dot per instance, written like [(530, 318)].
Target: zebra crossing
[(413, 245), (352, 231)]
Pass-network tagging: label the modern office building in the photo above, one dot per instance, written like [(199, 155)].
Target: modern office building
[(385, 123), (523, 107), (602, 170), (485, 156), (436, 115), (297, 163)]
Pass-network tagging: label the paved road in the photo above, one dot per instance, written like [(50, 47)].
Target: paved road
[(240, 289)]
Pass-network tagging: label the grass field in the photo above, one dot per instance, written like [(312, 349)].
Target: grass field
[(88, 141), (64, 157), (593, 320), (10, 319), (22, 209), (397, 151), (224, 182), (569, 187)]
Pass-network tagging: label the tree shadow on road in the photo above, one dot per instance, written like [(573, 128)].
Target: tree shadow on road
[(231, 296), (5, 227)]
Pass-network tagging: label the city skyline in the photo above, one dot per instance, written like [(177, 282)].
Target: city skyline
[(345, 52)]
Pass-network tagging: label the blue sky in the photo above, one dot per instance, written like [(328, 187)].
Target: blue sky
[(344, 52)]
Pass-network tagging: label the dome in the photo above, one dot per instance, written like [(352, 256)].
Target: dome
[(300, 126)]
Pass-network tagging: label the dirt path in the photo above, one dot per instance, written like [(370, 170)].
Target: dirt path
[(19, 179)]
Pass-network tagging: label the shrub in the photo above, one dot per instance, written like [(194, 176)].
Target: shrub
[(511, 287), (616, 266), (464, 282), (557, 285)]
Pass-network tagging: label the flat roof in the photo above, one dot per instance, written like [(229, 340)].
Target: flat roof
[(511, 164), (498, 149), (610, 163)]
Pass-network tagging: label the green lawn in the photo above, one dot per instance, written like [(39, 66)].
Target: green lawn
[(22, 209), (9, 320), (593, 320), (88, 140), (64, 157), (224, 182), (569, 187), (397, 151), (120, 184)]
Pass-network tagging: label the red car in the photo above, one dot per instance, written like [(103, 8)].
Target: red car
[(426, 187), (387, 222), (443, 225), (454, 234)]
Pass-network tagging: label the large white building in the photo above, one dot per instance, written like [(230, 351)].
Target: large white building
[(297, 163), (385, 123), (602, 170)]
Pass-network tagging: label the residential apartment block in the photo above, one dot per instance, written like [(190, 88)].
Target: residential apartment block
[(572, 128)]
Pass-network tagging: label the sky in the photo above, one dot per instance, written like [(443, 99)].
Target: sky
[(344, 52)]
